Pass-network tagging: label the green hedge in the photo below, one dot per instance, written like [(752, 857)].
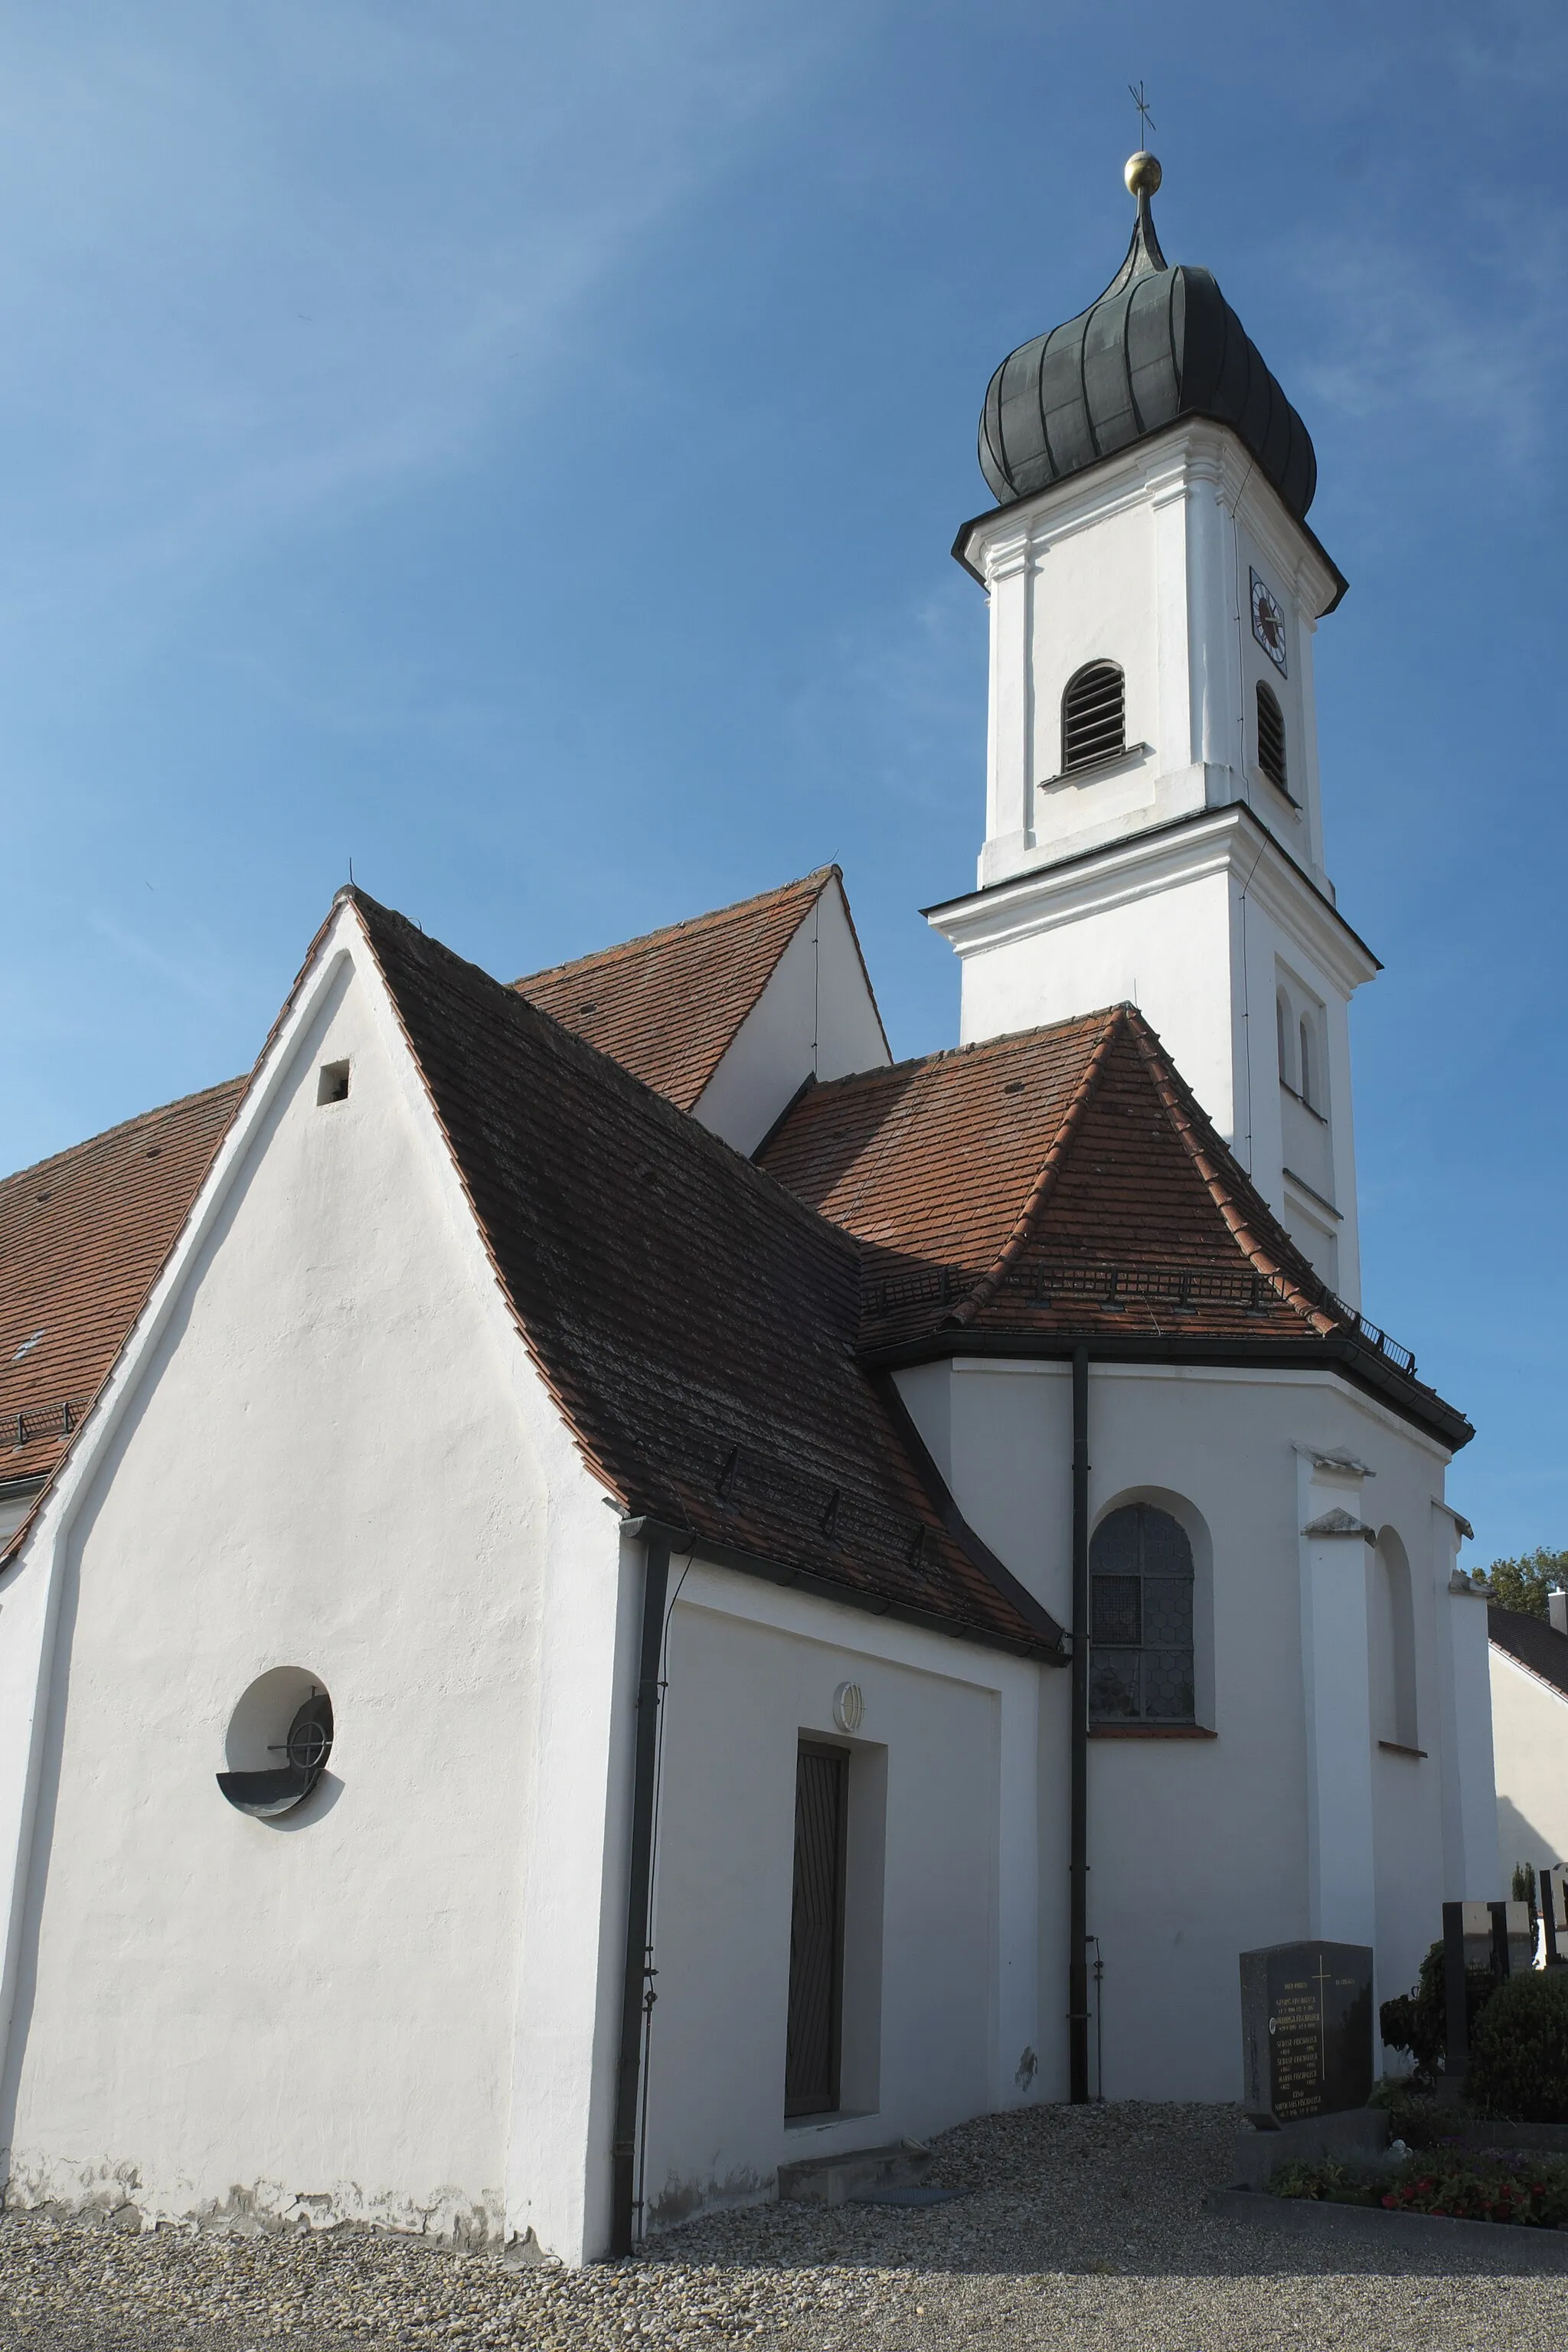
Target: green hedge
[(1519, 2051)]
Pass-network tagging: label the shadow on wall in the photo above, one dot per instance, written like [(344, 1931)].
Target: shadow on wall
[(1520, 1840)]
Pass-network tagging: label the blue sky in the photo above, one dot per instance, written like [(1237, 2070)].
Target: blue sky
[(519, 448)]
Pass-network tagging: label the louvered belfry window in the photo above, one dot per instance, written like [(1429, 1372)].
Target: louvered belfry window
[(1271, 738), (1094, 725), (1140, 1618)]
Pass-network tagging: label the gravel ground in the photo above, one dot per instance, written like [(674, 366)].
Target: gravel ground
[(1079, 2230)]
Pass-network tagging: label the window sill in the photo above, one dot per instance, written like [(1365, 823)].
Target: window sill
[(1397, 1747), (1311, 1108), (1286, 795), (1312, 1192), (1129, 755), (1151, 1731)]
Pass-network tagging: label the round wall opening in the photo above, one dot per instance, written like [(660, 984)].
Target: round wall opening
[(280, 1737)]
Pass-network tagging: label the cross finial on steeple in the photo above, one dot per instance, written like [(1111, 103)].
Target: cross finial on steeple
[(1146, 121)]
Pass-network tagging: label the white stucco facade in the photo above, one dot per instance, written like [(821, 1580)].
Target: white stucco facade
[(944, 1973), (1176, 876), (1530, 1734), (816, 1018), (326, 1448), (1285, 1813)]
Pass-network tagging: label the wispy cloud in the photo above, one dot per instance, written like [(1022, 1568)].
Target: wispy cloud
[(263, 266), (1402, 338)]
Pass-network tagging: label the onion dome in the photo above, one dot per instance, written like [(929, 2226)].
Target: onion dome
[(1159, 344)]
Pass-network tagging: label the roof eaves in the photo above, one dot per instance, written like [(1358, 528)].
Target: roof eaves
[(1412, 1401), (1543, 1669), (973, 1547), (959, 549), (691, 1540)]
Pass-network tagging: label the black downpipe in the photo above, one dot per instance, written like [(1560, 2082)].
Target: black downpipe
[(635, 1987), (1078, 1860)]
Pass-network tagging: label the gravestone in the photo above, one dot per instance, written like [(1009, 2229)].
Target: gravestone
[(1306, 2032)]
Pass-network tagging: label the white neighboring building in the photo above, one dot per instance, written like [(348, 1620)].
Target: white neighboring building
[(1530, 1735), (512, 1553)]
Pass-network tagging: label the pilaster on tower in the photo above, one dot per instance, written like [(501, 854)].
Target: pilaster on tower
[(1153, 822)]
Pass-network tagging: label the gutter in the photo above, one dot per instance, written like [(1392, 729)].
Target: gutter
[(1077, 1839), (1339, 1352), (636, 1983)]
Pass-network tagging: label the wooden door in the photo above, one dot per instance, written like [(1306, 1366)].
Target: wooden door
[(816, 1930)]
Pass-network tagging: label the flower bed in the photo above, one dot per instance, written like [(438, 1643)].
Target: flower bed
[(1517, 2190)]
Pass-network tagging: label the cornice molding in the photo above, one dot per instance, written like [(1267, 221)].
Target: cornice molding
[(1194, 451), (1162, 858)]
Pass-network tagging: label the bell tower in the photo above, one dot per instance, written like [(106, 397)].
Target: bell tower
[(1152, 821)]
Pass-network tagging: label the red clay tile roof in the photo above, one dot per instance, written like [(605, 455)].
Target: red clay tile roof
[(668, 1006), (694, 1322), (82, 1236), (1053, 1184)]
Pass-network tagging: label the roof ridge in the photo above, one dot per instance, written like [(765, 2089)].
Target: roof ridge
[(563, 1039), (820, 877), (1236, 1217), (1046, 1181), (1003, 1041), (121, 1127)]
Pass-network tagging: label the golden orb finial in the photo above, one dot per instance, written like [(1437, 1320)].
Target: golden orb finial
[(1142, 174)]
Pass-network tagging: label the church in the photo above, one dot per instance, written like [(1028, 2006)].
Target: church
[(606, 1592)]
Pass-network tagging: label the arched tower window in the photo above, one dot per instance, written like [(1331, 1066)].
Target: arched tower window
[(1271, 738), (1094, 723), (1309, 1067), (1140, 1618)]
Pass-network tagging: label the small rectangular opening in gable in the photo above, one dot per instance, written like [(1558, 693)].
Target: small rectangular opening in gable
[(332, 1086)]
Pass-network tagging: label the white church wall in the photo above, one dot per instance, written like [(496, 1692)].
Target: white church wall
[(1290, 951), (1153, 929), (331, 1453), (1464, 1717), (1146, 562), (1201, 1848), (943, 1886), (1272, 555), (1530, 1738), (815, 1018)]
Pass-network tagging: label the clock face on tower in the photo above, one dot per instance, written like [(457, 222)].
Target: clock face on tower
[(1268, 623)]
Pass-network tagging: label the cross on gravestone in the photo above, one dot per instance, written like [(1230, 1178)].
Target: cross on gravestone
[(1306, 2031)]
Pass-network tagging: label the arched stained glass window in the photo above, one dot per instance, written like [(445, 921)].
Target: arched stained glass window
[(1140, 1618)]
